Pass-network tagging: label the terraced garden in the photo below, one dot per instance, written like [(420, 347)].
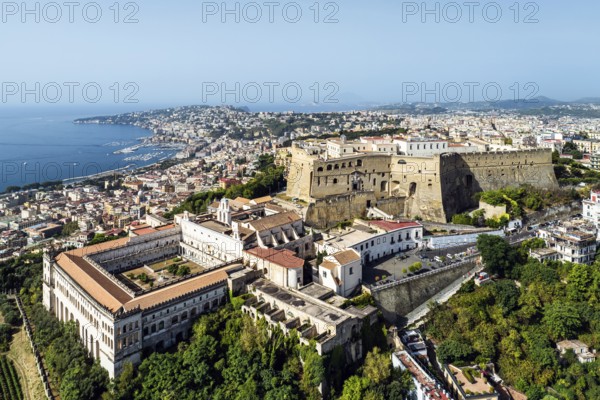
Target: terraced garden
[(10, 385)]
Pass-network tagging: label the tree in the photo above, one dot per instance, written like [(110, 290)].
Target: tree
[(507, 295), (183, 270), (462, 219), (415, 266), (354, 388), (70, 228), (582, 282), (453, 350), (401, 385), (497, 254), (313, 372), (124, 385), (562, 320), (377, 367)]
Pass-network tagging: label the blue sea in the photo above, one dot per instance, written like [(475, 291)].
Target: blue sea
[(43, 144)]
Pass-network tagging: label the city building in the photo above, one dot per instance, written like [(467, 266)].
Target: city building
[(222, 236), (281, 267), (574, 241), (311, 313), (595, 161), (468, 383), (426, 387), (124, 301), (374, 239), (544, 254), (580, 349), (591, 209), (341, 272)]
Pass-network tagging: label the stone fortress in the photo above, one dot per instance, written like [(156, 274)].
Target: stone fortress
[(409, 178)]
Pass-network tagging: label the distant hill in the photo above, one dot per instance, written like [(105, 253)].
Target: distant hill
[(540, 105)]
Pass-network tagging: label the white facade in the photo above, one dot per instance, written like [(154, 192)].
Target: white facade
[(116, 323), (341, 272), (591, 209), (573, 241), (421, 148), (281, 267), (397, 237), (209, 243)]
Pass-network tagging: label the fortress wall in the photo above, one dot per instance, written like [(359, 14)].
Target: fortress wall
[(399, 300), (368, 173), (418, 179), (299, 174), (434, 188), (463, 175), (326, 213)]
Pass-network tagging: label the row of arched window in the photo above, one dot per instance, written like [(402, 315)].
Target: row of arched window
[(331, 167)]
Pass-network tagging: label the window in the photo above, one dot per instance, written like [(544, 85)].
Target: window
[(324, 274), (351, 270), (161, 325)]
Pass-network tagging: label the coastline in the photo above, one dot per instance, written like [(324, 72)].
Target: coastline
[(130, 167)]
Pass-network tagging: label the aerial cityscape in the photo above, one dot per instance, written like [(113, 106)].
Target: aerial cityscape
[(322, 201)]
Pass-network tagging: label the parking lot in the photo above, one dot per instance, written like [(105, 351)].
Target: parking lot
[(397, 263)]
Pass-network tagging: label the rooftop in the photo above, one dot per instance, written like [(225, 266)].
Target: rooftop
[(346, 256), (284, 258), (276, 220), (571, 344), (317, 309), (111, 295), (428, 385), (390, 226), (475, 386)]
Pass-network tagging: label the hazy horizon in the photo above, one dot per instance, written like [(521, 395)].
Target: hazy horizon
[(349, 53)]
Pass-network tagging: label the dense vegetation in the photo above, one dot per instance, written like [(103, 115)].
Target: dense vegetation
[(517, 328), (570, 172), (518, 201), (377, 380), (268, 179), (9, 380), (229, 357)]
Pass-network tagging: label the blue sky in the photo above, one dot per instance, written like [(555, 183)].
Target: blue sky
[(175, 54)]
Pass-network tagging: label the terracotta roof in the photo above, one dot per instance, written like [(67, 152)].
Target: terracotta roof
[(328, 265), (275, 220), (274, 207), (108, 293), (179, 289), (165, 227), (264, 199), (241, 200), (143, 231), (284, 258), (95, 283), (393, 226), (346, 256)]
